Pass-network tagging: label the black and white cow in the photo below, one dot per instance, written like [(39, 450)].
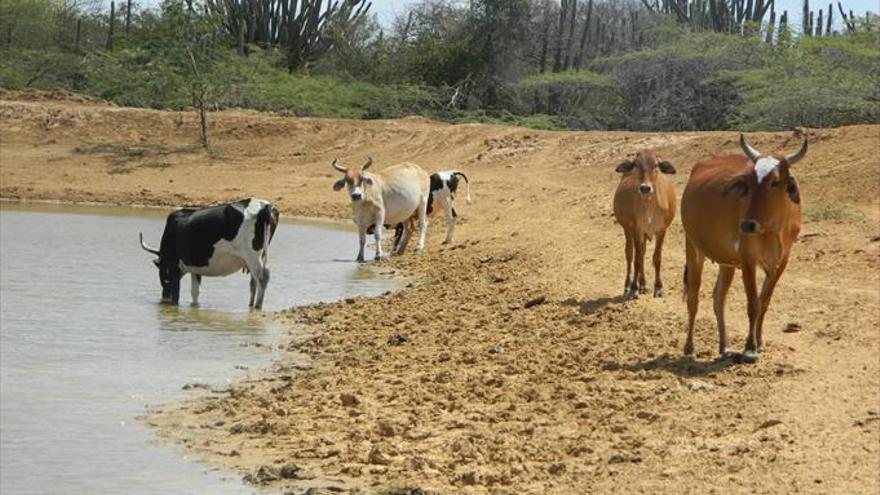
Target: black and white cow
[(444, 185), (215, 242)]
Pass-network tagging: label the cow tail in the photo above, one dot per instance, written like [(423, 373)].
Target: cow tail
[(467, 184)]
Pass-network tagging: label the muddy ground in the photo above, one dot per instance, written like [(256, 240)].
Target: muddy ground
[(457, 384)]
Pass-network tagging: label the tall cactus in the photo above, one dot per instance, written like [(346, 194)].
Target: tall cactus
[(297, 26)]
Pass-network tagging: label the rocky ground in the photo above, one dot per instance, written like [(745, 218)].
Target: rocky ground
[(512, 364)]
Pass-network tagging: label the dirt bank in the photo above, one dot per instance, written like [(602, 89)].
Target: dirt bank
[(585, 392)]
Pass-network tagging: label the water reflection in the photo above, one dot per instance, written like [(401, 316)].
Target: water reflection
[(84, 344), (199, 319)]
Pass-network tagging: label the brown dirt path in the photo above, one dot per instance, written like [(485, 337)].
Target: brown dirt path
[(583, 393)]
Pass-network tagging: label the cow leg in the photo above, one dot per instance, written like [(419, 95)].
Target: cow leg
[(194, 288), (362, 240), (627, 289), (261, 288), (770, 282), (450, 220), (408, 228), (658, 257), (259, 282), (750, 355), (643, 246), (398, 236), (722, 285), (423, 222), (638, 283), (377, 234), (693, 274)]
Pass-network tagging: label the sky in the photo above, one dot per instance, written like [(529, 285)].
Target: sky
[(386, 10)]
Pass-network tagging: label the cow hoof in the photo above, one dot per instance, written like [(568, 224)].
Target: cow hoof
[(194, 304), (760, 349), (749, 357), (725, 356), (688, 350), (658, 292), (643, 290)]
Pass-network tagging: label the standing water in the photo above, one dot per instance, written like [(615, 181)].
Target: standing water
[(84, 344)]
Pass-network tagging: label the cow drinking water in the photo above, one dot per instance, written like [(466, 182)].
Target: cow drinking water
[(215, 242)]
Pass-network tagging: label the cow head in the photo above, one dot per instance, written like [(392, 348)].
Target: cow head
[(648, 168), (767, 188), (354, 179), (169, 274)]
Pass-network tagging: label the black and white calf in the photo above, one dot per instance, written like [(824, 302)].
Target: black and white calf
[(444, 185), (215, 242)]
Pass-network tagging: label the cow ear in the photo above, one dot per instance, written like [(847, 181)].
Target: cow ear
[(368, 181), (794, 192), (339, 184), (625, 167), (738, 187), (666, 167)]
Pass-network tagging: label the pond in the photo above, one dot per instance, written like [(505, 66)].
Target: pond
[(85, 345)]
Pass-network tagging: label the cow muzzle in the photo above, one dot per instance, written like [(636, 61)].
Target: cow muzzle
[(646, 189), (357, 196), (750, 227)]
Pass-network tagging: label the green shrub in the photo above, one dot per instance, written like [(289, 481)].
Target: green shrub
[(818, 82), (581, 100)]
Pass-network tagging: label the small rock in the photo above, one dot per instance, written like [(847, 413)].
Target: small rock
[(496, 349), (398, 339), (497, 279), (534, 302), (291, 472), (375, 456), (262, 476), (195, 385), (386, 429), (697, 385), (792, 327), (349, 400), (769, 423), (468, 478), (556, 468)]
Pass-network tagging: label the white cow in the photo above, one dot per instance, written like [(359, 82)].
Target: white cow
[(387, 197)]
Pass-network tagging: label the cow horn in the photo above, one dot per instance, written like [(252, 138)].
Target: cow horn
[(750, 152), (146, 247), (339, 167), (791, 159), (367, 163)]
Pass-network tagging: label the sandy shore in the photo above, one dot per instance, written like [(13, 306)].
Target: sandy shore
[(455, 385)]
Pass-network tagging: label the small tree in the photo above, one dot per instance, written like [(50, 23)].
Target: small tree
[(193, 52)]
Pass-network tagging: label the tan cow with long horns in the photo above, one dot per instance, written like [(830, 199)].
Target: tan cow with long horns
[(741, 212), (387, 197)]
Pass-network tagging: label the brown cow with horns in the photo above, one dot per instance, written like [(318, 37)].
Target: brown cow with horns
[(741, 212)]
